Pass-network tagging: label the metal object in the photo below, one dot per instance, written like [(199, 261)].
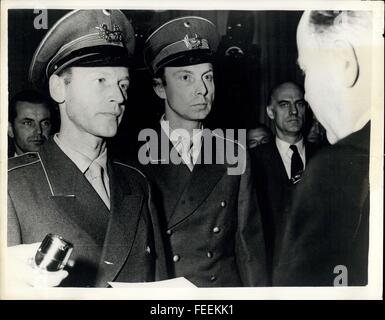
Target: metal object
[(53, 253)]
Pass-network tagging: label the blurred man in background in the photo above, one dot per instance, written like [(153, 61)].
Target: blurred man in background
[(259, 135), (29, 122)]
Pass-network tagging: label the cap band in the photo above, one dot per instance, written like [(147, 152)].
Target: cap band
[(91, 57)]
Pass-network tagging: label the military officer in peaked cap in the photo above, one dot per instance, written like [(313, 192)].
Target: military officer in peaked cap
[(210, 220), (71, 187)]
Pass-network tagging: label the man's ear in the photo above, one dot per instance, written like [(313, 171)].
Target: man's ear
[(11, 134), (57, 88), (349, 66), (159, 88), (270, 112)]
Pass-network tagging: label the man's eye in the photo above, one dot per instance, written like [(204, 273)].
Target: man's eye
[(301, 104), (284, 104), (101, 80), (209, 77), (124, 86), (186, 77), (46, 123), (27, 123)]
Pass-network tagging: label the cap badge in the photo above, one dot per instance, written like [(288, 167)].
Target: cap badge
[(193, 43), (114, 35)]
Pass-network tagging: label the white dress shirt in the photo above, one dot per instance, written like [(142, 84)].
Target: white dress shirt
[(188, 147), (286, 153)]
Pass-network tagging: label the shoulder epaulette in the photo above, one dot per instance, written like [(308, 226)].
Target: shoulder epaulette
[(23, 160)]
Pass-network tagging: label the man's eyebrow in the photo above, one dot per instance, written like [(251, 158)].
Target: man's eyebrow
[(183, 71), (209, 70)]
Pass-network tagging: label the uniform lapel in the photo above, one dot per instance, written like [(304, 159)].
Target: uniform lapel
[(122, 227), (72, 194), (203, 179)]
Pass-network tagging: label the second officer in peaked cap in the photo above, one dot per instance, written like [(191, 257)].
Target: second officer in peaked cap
[(181, 42), (211, 222), (72, 187)]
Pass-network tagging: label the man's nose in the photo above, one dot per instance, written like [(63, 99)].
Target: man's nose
[(38, 129), (293, 108), (116, 94), (200, 88)]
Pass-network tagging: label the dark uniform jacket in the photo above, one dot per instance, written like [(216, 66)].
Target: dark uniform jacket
[(47, 193), (211, 223), (329, 220), (274, 191)]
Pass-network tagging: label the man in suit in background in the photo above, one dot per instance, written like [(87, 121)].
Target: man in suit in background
[(29, 122), (278, 165), (211, 221), (326, 240), (71, 187)]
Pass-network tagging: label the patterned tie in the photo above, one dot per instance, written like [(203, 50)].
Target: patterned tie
[(94, 174), (296, 162)]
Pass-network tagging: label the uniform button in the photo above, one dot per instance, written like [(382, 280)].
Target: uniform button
[(169, 232), (148, 249), (213, 278), (209, 254), (176, 258), (216, 229), (223, 204)]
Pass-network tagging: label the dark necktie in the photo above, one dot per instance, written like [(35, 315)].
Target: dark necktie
[(296, 162)]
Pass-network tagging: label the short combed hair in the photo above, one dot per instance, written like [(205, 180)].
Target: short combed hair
[(325, 23), (30, 96)]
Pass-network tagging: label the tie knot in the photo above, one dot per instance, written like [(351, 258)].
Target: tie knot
[(294, 148), (95, 170)]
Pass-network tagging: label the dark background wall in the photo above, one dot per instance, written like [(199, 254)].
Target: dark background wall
[(267, 40)]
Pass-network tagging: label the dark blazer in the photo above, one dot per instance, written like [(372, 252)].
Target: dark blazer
[(274, 191), (329, 220), (211, 223), (47, 193)]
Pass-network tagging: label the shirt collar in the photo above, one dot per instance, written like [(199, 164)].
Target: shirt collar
[(79, 159), (181, 136), (285, 146)]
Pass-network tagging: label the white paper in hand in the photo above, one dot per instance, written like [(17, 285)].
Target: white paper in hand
[(180, 282)]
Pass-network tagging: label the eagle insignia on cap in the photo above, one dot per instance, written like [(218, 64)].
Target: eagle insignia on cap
[(193, 43), (114, 35)]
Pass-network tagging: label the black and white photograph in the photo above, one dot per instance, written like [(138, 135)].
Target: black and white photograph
[(192, 150)]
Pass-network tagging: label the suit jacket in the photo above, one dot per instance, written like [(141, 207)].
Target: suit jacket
[(211, 222), (329, 220), (274, 190), (47, 193)]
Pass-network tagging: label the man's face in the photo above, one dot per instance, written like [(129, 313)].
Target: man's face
[(95, 97), (31, 127), (257, 136), (287, 110), (321, 88), (189, 92)]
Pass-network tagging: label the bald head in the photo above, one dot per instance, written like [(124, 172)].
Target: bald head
[(285, 87)]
